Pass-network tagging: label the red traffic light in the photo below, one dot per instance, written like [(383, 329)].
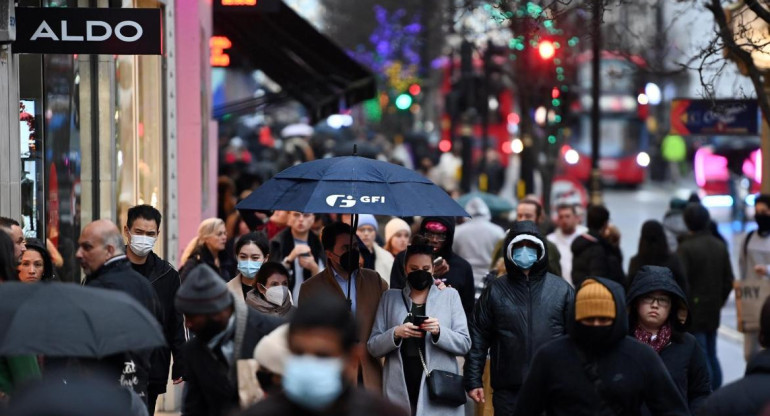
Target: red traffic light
[(414, 89), (555, 93), (546, 49)]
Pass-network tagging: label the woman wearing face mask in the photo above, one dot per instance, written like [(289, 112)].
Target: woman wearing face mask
[(208, 247), (271, 294), (416, 325), (36, 264), (657, 317), (251, 251)]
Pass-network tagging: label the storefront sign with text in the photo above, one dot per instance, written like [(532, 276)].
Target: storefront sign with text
[(89, 31)]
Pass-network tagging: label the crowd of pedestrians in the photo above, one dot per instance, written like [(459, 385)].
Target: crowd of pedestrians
[(301, 313)]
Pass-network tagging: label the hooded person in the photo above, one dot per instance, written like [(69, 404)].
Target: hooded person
[(658, 315), (515, 315), (593, 254), (475, 240), (597, 369), (454, 270), (226, 333)]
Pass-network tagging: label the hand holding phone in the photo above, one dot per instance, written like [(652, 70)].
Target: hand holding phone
[(418, 320), (437, 261)]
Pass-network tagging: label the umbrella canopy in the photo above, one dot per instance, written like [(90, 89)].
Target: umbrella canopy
[(68, 320), (497, 205), (352, 185)]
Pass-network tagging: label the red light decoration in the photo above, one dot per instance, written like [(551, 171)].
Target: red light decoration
[(415, 89), (555, 93), (513, 118), (445, 145), (546, 49), (218, 45)]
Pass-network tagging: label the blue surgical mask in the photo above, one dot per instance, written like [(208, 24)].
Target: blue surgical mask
[(524, 257), (249, 268), (313, 382)]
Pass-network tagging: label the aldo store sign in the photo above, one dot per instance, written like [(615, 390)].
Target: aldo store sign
[(89, 31)]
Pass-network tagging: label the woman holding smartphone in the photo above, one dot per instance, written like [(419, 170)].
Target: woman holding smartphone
[(419, 328)]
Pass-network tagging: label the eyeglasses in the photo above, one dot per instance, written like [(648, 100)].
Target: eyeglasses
[(663, 301), (433, 236)]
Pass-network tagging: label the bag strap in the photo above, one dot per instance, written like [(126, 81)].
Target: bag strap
[(746, 244), (406, 304), (591, 371), (419, 349)]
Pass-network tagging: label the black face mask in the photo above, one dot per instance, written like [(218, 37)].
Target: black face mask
[(419, 279), (763, 223), (593, 338), (346, 263), (210, 329)]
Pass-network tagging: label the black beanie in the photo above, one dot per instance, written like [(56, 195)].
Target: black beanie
[(202, 292), (696, 217)]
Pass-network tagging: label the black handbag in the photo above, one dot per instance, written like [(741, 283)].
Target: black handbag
[(444, 387)]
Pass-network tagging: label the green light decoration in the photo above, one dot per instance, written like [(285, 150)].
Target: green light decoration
[(556, 102), (557, 61), (573, 41), (534, 10), (548, 24), (564, 88), (559, 70), (560, 77), (403, 101), (552, 139), (557, 119), (557, 45), (372, 110)]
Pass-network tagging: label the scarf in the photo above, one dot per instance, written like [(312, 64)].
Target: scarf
[(256, 301), (657, 342)]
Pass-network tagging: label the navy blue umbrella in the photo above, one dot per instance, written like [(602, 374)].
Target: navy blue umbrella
[(352, 185)]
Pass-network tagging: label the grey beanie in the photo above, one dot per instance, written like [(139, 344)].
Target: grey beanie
[(202, 292)]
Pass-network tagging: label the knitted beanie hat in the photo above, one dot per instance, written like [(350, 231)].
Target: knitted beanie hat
[(202, 292), (594, 300)]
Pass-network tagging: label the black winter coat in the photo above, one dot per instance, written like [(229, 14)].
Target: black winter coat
[(683, 357), (212, 389), (709, 273), (515, 316), (594, 256), (283, 243), (460, 275), (119, 275), (631, 373), (165, 280), (745, 397), (352, 402), (203, 255)]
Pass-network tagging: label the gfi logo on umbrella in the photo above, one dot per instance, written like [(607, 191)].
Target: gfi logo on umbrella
[(347, 201)]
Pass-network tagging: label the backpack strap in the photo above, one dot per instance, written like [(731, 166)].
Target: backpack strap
[(746, 243)]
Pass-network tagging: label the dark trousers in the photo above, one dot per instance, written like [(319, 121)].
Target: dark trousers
[(708, 341), (153, 391), (504, 401)]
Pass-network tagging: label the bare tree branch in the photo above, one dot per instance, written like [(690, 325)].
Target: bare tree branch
[(757, 8)]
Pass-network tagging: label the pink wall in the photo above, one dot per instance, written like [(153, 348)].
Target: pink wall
[(193, 30)]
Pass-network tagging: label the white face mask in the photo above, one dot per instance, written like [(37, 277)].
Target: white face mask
[(141, 245), (276, 294)]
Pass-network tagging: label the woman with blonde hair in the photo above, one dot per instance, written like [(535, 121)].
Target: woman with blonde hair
[(209, 248)]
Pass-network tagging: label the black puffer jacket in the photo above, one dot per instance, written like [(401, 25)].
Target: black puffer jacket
[(592, 256), (631, 373), (515, 315), (460, 275), (683, 357), (745, 397)]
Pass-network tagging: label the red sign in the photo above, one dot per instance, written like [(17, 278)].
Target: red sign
[(239, 2), (218, 44)]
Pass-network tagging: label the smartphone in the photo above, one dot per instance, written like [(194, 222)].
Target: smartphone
[(418, 320), (437, 261), (305, 254)]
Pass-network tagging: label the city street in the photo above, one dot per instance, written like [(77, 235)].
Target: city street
[(629, 209)]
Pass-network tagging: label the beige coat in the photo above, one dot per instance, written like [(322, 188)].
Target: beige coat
[(383, 263)]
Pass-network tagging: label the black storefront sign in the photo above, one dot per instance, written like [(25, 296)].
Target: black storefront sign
[(89, 31)]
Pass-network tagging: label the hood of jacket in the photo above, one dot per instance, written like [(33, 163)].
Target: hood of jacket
[(652, 278), (449, 223), (620, 324), (478, 209), (540, 267), (759, 364)]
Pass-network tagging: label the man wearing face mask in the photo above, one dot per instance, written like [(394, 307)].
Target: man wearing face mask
[(753, 259), (597, 369), (226, 331), (515, 315), (141, 231), (362, 288), (321, 372)]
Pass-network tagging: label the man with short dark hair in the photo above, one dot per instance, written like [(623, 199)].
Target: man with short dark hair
[(103, 260), (299, 249), (13, 229), (749, 395), (593, 254), (320, 374), (753, 258), (226, 332), (362, 288), (141, 231), (568, 228)]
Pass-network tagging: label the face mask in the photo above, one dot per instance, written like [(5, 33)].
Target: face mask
[(345, 260), (593, 338), (210, 329), (419, 279), (141, 245), (524, 257), (276, 294), (312, 382), (249, 268), (763, 222)]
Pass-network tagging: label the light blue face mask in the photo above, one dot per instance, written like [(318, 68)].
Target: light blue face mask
[(249, 268), (313, 382), (524, 257)]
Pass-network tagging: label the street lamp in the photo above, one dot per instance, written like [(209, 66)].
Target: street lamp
[(752, 34)]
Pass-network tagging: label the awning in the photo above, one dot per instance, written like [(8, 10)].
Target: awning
[(304, 62)]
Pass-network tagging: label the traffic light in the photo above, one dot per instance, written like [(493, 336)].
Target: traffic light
[(403, 101), (546, 49), (415, 90)]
